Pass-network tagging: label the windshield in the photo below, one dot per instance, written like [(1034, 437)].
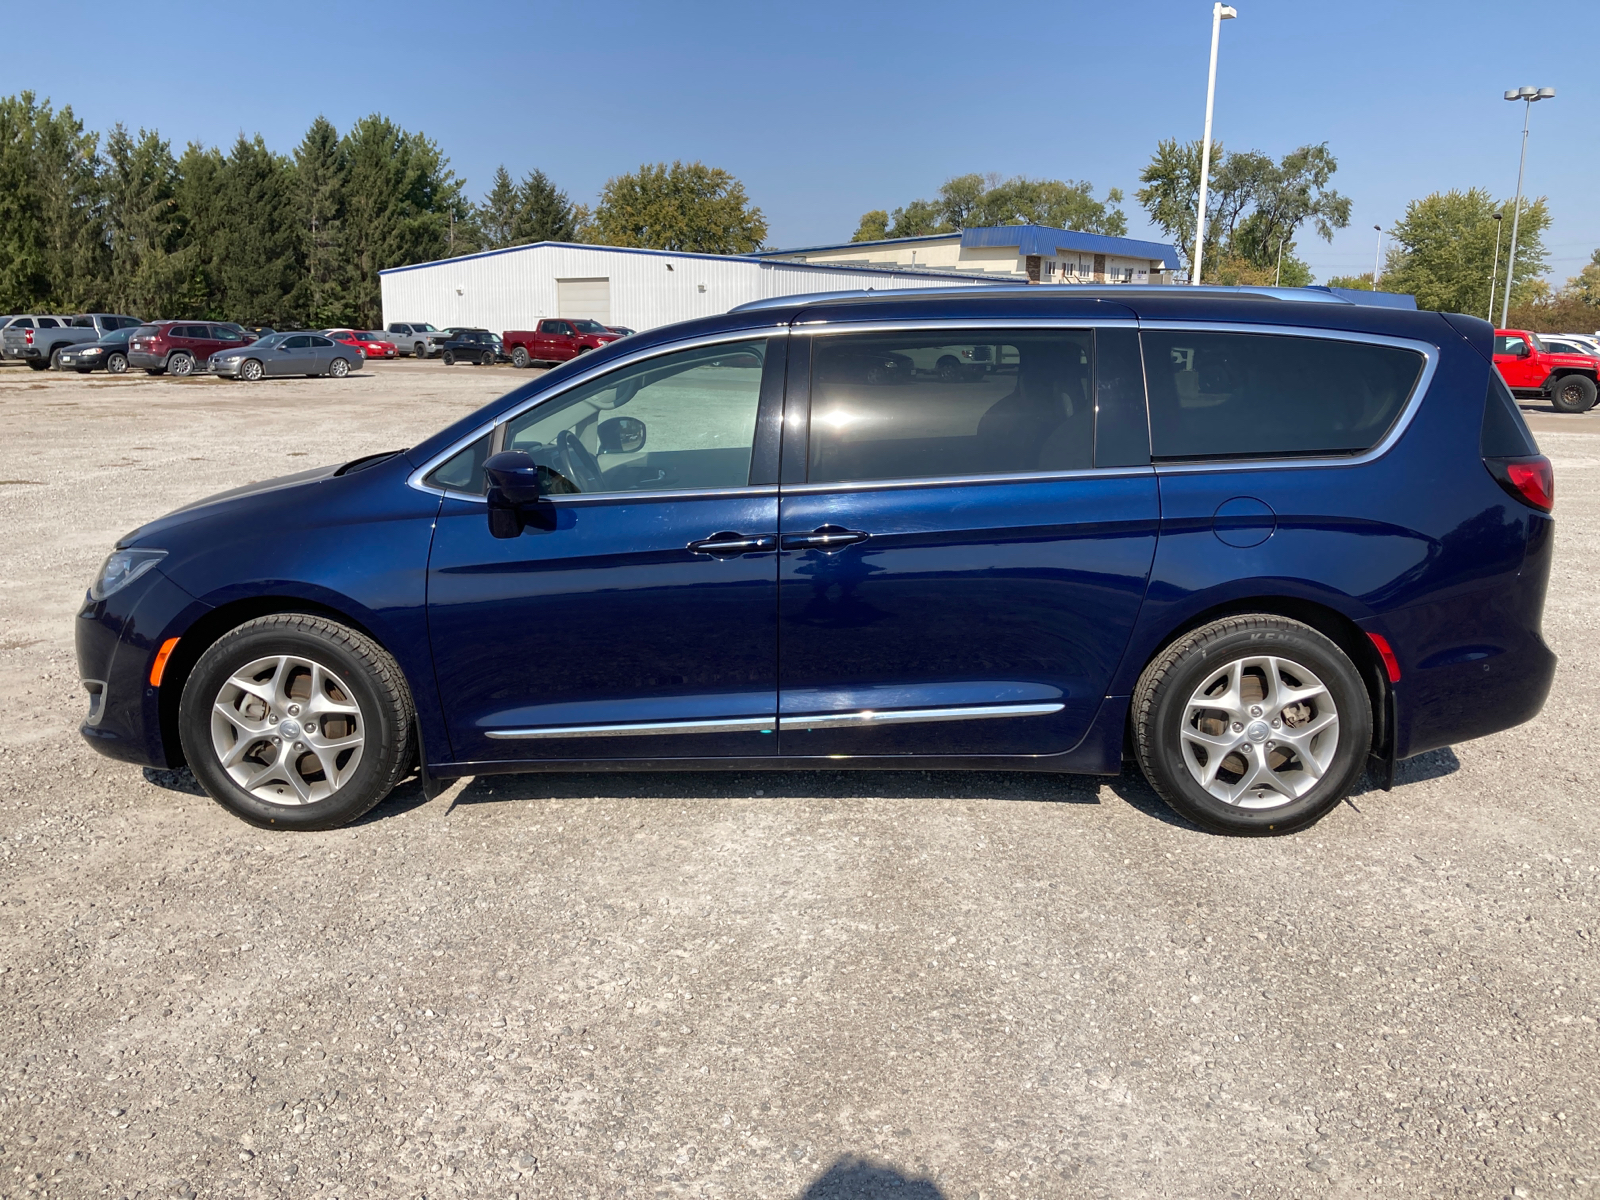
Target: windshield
[(590, 327), (272, 339), (423, 327), (1537, 344)]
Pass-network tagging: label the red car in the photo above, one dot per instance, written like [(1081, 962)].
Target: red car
[(556, 340), (364, 340), (1531, 371)]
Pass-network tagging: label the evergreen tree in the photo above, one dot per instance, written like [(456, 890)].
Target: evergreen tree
[(544, 213), (197, 190), (322, 297), (144, 227), (497, 215), (401, 202), (259, 240), (52, 255)]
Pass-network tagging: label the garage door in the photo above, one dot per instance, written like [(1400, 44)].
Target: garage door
[(584, 298)]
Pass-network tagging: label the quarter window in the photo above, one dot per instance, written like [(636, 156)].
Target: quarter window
[(1248, 395), (680, 421), (920, 406)]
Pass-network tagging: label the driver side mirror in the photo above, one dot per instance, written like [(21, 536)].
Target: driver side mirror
[(514, 482), (621, 435), (1524, 350)]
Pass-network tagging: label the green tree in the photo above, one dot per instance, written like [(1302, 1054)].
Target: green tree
[(1584, 287), (144, 227), (322, 295), (497, 215), (258, 239), (1254, 206), (198, 191), (918, 219), (1443, 251), (687, 206), (544, 212), (52, 254), (874, 226), (401, 203)]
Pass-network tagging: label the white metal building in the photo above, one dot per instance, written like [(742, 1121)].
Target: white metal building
[(511, 289)]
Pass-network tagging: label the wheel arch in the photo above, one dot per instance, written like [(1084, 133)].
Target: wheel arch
[(211, 626), (1338, 627)]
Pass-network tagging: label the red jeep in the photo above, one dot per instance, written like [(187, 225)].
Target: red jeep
[(1532, 372), (555, 340)]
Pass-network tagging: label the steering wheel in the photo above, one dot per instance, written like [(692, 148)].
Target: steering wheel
[(577, 464)]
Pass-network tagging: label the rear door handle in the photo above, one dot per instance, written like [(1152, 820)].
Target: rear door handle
[(824, 537), (730, 545)]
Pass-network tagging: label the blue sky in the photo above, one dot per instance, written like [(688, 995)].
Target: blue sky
[(826, 110)]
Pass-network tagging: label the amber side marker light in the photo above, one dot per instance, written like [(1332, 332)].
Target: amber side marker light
[(1391, 664), (160, 665)]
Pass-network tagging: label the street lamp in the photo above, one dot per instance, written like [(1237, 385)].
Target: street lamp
[(1377, 257), (1494, 263), (1219, 13), (1527, 95)]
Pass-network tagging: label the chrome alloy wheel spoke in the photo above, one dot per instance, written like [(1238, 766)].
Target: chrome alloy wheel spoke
[(270, 729), (1279, 732)]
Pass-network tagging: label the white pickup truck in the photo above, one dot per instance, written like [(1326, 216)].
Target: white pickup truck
[(416, 338), (38, 339)]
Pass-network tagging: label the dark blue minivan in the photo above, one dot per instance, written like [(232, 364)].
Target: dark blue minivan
[(1254, 542)]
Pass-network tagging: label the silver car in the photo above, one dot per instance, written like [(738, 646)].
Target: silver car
[(287, 354)]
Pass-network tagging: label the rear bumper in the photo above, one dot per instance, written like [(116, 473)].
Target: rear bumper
[(20, 353), (146, 360)]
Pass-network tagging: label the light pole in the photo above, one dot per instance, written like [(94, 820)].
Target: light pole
[(1527, 95), (1377, 257), (1277, 278), (1494, 263), (1219, 13)]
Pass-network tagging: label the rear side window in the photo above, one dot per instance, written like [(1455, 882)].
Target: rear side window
[(1256, 395), (1505, 433), (48, 323), (916, 406)]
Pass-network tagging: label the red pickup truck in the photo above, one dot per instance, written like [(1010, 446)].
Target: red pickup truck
[(1567, 381), (555, 340)]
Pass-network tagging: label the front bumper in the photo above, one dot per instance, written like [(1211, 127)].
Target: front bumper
[(226, 370), (117, 639)]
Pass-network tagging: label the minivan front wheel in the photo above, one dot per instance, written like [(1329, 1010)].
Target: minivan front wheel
[(1253, 724), (293, 721)]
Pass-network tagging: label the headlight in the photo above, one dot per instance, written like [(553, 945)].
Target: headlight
[(91, 351), (120, 569)]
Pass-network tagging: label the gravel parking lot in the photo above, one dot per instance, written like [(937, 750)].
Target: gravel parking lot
[(913, 984)]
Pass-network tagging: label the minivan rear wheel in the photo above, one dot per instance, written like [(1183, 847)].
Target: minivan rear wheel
[(1572, 394), (293, 721), (1254, 724)]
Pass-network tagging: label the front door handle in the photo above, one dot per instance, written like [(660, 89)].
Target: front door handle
[(731, 545), (824, 537)]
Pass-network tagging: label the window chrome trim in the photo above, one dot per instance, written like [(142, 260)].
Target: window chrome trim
[(874, 485), (415, 479), (915, 716), (836, 720), (1419, 390)]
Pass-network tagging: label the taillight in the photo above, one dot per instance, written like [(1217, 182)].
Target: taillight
[(28, 333), (1530, 479)]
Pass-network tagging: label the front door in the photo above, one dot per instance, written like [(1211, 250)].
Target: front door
[(1517, 363), (635, 617), (956, 575), (290, 357)]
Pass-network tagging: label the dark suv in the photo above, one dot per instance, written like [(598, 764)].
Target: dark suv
[(471, 346), (1252, 542), (182, 347)]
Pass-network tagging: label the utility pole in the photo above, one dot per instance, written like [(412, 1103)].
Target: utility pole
[(1377, 257), (1494, 264), (1219, 13)]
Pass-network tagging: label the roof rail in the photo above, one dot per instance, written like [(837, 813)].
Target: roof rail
[(1305, 295)]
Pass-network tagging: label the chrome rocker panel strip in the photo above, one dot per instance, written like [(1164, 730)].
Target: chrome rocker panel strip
[(844, 720)]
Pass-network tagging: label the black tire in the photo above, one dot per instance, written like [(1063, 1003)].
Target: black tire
[(1572, 394), (155, 370), (418, 350), (449, 358), (486, 359), (116, 364), (181, 363), (378, 690), (55, 359), (520, 359), (1161, 703)]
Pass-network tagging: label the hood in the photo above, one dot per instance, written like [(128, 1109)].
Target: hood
[(212, 504)]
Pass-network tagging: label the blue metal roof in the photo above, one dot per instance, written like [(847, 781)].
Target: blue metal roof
[(1042, 239)]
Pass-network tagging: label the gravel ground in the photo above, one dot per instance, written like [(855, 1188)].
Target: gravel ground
[(785, 985)]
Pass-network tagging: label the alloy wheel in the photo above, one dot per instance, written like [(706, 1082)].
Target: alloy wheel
[(287, 730), (1259, 732), (180, 364), (117, 364), (250, 370), (339, 368)]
